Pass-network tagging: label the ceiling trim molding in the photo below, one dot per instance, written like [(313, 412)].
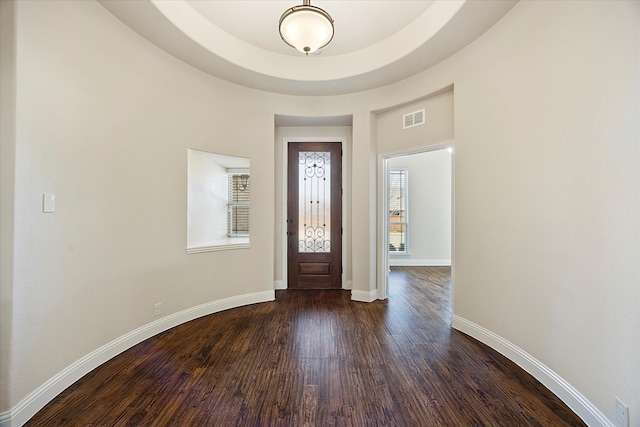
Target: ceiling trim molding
[(303, 68)]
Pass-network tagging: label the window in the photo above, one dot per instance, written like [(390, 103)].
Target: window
[(398, 211), (238, 204), (217, 202)]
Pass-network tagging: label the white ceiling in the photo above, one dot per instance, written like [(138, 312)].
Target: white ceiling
[(375, 43)]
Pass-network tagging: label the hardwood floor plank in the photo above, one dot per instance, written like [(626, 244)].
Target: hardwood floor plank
[(315, 358)]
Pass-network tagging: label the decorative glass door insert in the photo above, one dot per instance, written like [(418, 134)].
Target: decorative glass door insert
[(314, 222)]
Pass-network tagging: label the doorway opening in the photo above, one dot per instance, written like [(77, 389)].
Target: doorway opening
[(417, 211), (282, 246), (314, 215)]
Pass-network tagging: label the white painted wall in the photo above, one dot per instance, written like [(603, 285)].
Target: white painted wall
[(429, 231), (547, 197)]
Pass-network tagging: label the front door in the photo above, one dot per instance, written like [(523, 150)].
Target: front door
[(314, 215)]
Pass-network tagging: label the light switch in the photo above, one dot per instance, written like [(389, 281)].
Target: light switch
[(48, 203)]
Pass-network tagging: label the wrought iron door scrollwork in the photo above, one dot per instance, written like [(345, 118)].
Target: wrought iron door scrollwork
[(314, 196)]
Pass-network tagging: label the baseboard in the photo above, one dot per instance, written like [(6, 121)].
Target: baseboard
[(36, 400), (364, 296), (410, 262), (579, 404)]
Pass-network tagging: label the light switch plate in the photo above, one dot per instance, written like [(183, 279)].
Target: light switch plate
[(48, 203)]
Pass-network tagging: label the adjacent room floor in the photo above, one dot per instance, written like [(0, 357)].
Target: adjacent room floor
[(315, 358)]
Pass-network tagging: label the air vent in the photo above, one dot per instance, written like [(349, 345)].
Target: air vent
[(413, 119)]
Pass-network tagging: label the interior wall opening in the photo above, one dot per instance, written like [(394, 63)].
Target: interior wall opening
[(417, 212)]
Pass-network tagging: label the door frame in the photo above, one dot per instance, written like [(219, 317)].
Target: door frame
[(383, 212), (345, 204)]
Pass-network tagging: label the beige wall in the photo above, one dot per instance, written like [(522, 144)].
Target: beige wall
[(547, 191), (438, 125), (7, 183), (104, 121), (547, 175)]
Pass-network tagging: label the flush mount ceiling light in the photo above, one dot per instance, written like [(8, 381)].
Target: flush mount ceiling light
[(306, 28)]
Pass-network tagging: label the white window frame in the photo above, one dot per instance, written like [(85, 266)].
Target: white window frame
[(232, 205), (405, 222)]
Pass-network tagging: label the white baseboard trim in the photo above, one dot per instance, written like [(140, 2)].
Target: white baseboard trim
[(579, 404), (364, 296), (37, 399), (410, 262)]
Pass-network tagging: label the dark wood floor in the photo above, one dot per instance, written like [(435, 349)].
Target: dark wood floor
[(315, 358)]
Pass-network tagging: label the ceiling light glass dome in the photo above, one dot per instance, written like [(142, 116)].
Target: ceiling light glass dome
[(306, 28)]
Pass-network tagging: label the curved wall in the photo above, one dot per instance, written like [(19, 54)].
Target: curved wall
[(104, 121), (547, 197), (548, 192)]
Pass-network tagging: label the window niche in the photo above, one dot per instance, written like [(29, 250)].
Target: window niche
[(218, 202)]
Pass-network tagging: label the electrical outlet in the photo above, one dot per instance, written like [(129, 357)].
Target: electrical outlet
[(622, 414), (157, 309)]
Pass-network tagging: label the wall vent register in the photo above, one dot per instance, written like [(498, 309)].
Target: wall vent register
[(413, 119)]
